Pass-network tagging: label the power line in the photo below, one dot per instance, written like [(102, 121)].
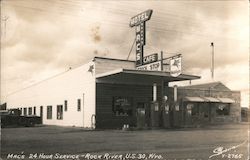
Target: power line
[(131, 49), (159, 22)]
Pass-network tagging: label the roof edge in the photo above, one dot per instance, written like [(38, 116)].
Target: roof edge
[(114, 59)]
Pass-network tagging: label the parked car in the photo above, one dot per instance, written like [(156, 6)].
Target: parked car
[(13, 117)]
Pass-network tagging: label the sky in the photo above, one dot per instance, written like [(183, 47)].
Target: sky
[(41, 38)]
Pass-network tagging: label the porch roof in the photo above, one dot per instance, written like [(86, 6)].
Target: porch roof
[(226, 100), (208, 99), (212, 99), (141, 76), (194, 99)]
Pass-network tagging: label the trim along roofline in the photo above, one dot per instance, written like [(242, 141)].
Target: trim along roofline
[(144, 72)]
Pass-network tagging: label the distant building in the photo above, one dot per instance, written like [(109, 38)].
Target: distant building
[(209, 103), (108, 93), (245, 114)]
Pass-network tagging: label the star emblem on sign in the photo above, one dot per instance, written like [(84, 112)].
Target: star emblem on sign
[(176, 63), (91, 68)]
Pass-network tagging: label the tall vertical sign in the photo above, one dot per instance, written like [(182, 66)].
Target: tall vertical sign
[(139, 21)]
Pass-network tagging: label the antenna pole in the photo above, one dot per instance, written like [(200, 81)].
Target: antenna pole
[(5, 18), (212, 65)]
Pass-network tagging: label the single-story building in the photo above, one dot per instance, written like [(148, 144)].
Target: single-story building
[(209, 103), (108, 93)]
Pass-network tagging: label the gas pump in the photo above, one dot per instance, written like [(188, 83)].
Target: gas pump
[(154, 109), (154, 114), (165, 112)]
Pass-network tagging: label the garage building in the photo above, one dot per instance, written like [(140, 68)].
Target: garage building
[(111, 93)]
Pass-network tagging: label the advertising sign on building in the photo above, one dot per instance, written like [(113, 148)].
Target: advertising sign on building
[(155, 66), (175, 66), (142, 17), (150, 59), (140, 42), (139, 21)]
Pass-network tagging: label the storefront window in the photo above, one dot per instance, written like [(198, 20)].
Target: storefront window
[(222, 109), (122, 106)]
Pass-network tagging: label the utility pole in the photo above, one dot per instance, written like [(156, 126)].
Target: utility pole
[(212, 63), (5, 18), (3, 34)]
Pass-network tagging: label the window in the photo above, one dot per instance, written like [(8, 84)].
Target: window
[(78, 104), (222, 109), (30, 110), (189, 108), (25, 111), (34, 109), (195, 109), (59, 112), (65, 105), (21, 110), (204, 109), (49, 112), (122, 106), (41, 112)]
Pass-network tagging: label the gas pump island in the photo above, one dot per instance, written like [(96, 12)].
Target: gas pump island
[(156, 114)]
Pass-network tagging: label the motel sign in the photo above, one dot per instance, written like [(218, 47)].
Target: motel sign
[(139, 21)]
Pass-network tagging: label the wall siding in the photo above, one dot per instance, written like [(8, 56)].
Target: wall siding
[(106, 65), (69, 86)]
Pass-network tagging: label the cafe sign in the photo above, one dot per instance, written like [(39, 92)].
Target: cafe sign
[(139, 22), (150, 63)]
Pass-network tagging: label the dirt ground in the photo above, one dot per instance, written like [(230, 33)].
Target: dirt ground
[(195, 143)]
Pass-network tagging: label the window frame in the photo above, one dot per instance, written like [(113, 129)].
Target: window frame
[(222, 109), (78, 104), (30, 111), (123, 109), (34, 110), (49, 112), (65, 105), (25, 111), (59, 115)]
